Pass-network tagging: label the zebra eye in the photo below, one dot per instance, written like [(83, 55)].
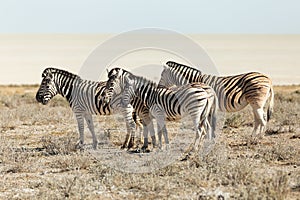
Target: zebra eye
[(113, 76), (47, 80)]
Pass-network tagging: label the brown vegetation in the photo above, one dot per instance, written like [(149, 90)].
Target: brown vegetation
[(38, 158)]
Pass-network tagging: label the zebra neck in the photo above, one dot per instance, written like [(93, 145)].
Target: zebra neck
[(146, 91), (65, 87), (185, 75)]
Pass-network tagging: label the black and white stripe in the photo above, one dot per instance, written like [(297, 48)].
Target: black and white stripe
[(84, 97), (189, 100), (233, 92)]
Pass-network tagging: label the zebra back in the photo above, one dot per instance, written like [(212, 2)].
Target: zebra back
[(178, 74), (232, 91), (148, 91)]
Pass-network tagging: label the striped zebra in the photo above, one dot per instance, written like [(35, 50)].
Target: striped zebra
[(163, 103), (84, 99), (234, 92), (210, 124)]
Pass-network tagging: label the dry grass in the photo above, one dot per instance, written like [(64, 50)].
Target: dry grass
[(38, 158)]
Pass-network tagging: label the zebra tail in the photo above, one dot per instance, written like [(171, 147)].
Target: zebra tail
[(271, 104), (213, 118)]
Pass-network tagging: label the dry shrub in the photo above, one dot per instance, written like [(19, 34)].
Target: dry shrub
[(73, 186), (31, 114), (278, 152), (238, 119), (15, 100), (54, 169), (287, 109), (59, 145), (295, 181), (238, 177), (15, 159), (292, 97), (270, 186), (234, 121), (279, 130), (71, 162)]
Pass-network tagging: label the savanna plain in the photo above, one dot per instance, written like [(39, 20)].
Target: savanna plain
[(38, 158)]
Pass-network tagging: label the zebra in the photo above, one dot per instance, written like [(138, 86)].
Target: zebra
[(83, 97), (163, 103), (210, 124), (233, 92)]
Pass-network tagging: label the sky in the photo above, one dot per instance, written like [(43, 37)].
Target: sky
[(115, 16)]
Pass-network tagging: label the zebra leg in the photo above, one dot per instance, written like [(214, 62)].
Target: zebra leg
[(145, 134), (213, 119), (80, 123), (131, 140), (198, 130), (259, 121), (200, 133), (130, 124), (208, 129), (166, 137), (159, 114), (90, 123), (148, 127), (126, 141), (162, 130), (159, 133), (139, 127), (140, 130), (152, 133), (213, 126), (200, 123)]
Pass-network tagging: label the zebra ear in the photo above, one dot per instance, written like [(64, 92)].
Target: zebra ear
[(107, 71), (120, 72), (165, 66), (128, 80), (47, 72)]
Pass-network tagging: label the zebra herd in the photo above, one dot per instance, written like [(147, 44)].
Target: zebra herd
[(84, 97), (182, 91)]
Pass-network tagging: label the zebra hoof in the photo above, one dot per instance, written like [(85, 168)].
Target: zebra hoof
[(168, 147), (79, 146), (145, 149), (131, 143), (138, 150), (155, 146), (130, 147), (95, 145), (124, 145)]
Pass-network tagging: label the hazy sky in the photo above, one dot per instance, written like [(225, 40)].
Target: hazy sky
[(114, 16)]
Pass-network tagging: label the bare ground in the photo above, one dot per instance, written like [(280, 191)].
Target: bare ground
[(38, 158)]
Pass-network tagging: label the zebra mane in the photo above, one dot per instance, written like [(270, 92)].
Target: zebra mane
[(152, 83), (131, 75), (52, 70), (178, 66)]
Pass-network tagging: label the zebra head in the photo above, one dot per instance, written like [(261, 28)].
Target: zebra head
[(116, 84), (166, 77), (112, 85), (177, 74), (47, 88)]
